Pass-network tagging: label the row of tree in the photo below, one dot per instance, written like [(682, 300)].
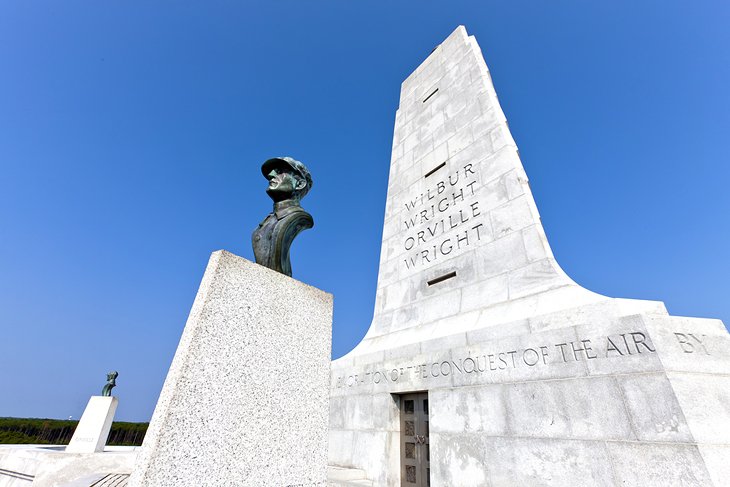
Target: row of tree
[(60, 431)]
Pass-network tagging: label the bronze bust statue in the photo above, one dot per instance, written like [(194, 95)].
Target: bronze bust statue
[(289, 182), (111, 381)]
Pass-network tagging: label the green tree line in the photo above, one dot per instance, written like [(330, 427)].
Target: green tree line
[(60, 431)]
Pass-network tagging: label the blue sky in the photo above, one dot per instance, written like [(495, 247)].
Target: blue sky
[(131, 136)]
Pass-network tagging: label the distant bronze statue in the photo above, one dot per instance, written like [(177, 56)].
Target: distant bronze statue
[(111, 382), (289, 182)]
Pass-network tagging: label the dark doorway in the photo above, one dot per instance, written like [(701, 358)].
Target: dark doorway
[(414, 447)]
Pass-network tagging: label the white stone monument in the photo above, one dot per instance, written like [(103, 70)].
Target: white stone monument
[(246, 399), (485, 364), (93, 429)]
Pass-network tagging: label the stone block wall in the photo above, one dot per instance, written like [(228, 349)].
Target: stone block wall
[(531, 379)]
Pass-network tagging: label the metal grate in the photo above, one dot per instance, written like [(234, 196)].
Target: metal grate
[(112, 480)]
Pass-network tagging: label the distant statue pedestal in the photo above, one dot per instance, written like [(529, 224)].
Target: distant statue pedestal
[(93, 429), (246, 399)]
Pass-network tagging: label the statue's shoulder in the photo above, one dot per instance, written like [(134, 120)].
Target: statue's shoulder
[(298, 214)]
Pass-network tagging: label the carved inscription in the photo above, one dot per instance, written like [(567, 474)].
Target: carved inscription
[(443, 219), (621, 345), (691, 343)]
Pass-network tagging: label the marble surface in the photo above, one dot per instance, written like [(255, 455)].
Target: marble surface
[(246, 399), (52, 466), (459, 204), (93, 429), (531, 379)]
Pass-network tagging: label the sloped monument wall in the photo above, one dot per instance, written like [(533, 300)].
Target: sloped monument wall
[(235, 408), (531, 379)]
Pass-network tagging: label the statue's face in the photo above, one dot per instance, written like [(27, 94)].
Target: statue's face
[(283, 184)]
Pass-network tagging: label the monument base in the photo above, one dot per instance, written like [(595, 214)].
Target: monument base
[(638, 401), (246, 400), (93, 429)]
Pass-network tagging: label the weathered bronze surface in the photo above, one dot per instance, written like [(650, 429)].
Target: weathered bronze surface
[(289, 182), (111, 382)]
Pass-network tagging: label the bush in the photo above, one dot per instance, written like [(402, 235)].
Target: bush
[(60, 431)]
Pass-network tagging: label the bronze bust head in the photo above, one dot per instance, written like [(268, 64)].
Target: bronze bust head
[(289, 181), (111, 382)]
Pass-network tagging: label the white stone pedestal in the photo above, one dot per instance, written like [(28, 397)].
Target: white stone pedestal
[(246, 400), (93, 429)]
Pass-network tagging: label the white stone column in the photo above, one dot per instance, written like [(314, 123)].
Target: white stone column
[(246, 400), (93, 429)]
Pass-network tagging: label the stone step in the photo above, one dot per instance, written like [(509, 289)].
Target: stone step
[(350, 483), (346, 477)]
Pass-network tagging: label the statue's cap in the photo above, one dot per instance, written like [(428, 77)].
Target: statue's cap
[(297, 166)]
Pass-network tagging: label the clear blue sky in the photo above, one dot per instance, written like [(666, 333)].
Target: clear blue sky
[(131, 136)]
